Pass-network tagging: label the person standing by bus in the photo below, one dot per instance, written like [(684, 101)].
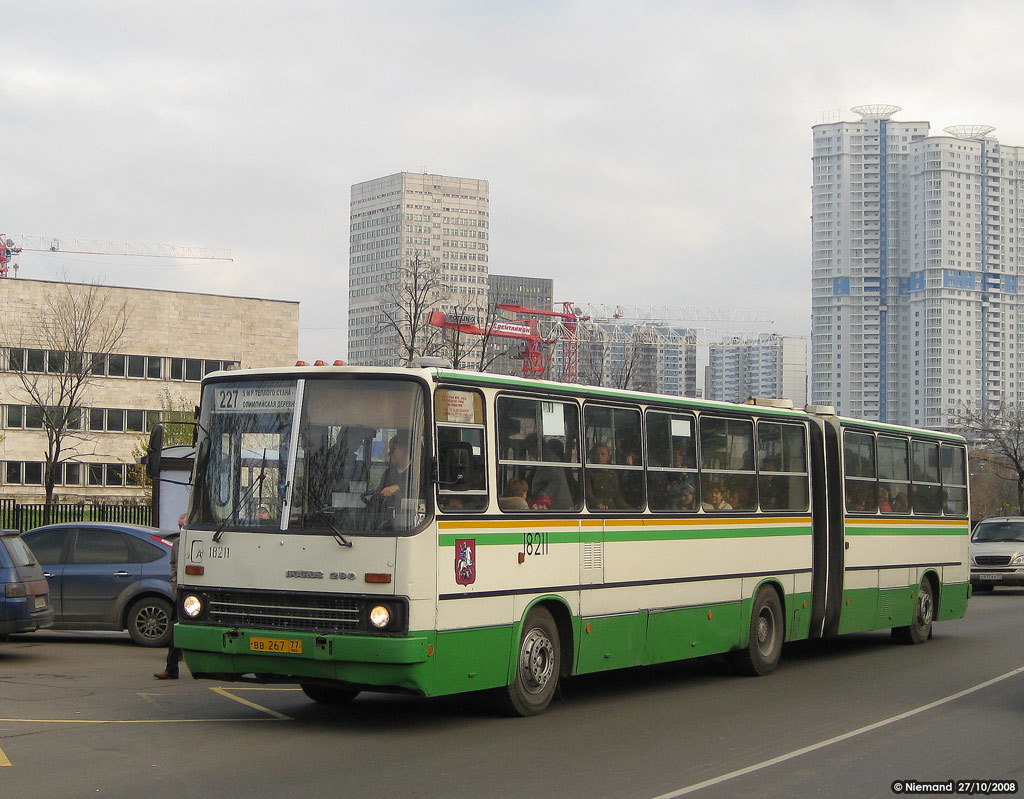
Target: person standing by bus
[(170, 671)]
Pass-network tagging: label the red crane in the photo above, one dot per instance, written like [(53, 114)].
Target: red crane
[(533, 357), (7, 252), (567, 331)]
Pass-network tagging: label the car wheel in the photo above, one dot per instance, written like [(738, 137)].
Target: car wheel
[(150, 623)]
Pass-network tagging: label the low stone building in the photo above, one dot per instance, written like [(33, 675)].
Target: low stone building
[(171, 340)]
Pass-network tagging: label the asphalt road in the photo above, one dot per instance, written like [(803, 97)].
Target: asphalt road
[(80, 715)]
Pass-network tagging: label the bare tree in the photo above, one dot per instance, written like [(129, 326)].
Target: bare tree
[(56, 360), (415, 289), (1000, 430), (481, 346)]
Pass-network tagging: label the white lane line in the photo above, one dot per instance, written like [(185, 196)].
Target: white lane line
[(844, 737)]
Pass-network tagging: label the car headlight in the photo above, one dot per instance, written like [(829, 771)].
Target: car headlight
[(192, 606), (380, 616), (1019, 560)]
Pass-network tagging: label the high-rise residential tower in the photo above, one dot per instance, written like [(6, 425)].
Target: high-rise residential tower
[(915, 252), (395, 221), (768, 365)]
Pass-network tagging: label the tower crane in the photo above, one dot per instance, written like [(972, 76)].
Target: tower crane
[(526, 332), (566, 331), (16, 244)]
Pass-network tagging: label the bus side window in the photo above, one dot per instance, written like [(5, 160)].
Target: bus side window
[(728, 480), (782, 466), (459, 418), (893, 480), (859, 464), (538, 444), (954, 480)]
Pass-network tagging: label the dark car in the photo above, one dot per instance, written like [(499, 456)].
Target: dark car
[(24, 594), (107, 577)]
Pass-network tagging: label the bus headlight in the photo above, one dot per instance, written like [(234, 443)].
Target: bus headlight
[(380, 616), (192, 606)]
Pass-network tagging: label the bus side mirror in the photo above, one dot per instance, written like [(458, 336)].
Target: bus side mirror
[(156, 444), (455, 465)]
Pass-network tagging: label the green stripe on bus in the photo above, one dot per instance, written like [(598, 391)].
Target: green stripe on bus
[(619, 535), (905, 530)]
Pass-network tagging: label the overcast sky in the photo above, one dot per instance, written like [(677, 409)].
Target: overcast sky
[(649, 153)]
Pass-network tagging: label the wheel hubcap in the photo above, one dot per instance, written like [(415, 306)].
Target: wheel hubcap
[(536, 661), (924, 607), (765, 631), (152, 623)]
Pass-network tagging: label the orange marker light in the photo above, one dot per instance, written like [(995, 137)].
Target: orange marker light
[(300, 363), (196, 570), (377, 578), (339, 363)]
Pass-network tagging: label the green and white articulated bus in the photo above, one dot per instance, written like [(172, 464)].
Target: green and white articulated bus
[(435, 531)]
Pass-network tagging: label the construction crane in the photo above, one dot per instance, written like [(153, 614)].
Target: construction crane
[(526, 332), (566, 331), (664, 313), (17, 244)]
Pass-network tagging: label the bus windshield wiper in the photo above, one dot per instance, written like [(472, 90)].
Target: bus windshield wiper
[(243, 497), (319, 505)]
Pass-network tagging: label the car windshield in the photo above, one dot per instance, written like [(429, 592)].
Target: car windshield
[(340, 455), (999, 531)]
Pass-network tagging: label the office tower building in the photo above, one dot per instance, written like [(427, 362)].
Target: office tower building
[(768, 366), (915, 252), (435, 223)]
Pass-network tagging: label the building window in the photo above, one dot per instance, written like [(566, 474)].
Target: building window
[(95, 474), (12, 472), (33, 473), (36, 361), (116, 365), (136, 366), (15, 416), (97, 418)]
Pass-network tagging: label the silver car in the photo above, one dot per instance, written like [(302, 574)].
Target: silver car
[(997, 552)]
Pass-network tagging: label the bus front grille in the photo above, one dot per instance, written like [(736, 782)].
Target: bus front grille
[(278, 611)]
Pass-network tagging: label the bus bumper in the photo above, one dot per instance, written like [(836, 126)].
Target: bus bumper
[(370, 662)]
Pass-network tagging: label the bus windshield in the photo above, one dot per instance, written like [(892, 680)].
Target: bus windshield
[(332, 456)]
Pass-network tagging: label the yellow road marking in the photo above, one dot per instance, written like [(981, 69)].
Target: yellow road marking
[(4, 760), (247, 703), (137, 721)]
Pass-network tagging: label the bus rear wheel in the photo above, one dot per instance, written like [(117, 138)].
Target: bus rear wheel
[(329, 694), (538, 662), (920, 628), (764, 641)]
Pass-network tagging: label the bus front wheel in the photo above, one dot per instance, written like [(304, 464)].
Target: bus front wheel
[(538, 661), (920, 628), (764, 642)]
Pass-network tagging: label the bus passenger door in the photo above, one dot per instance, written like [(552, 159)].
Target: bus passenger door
[(828, 531)]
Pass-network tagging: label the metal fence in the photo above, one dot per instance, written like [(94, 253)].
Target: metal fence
[(18, 516)]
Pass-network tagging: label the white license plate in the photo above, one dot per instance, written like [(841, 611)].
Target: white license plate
[(990, 576), (40, 601)]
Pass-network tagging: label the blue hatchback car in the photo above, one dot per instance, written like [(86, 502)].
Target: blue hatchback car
[(24, 594), (106, 576)]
